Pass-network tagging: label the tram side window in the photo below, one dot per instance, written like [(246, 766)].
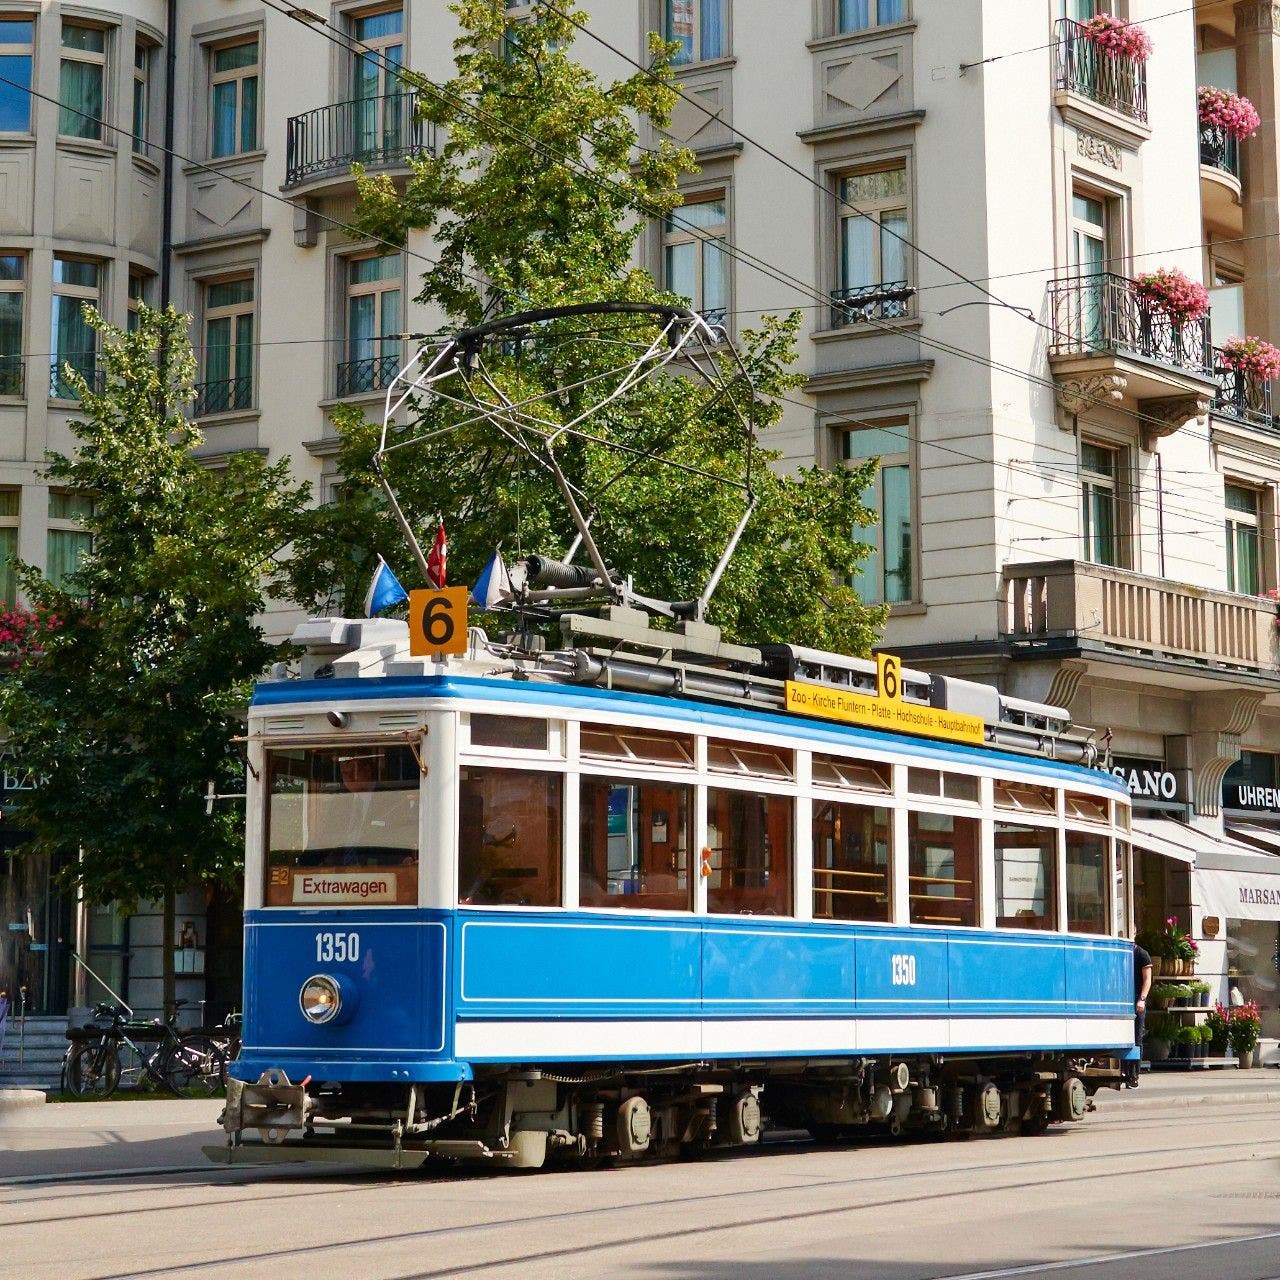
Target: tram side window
[(634, 849), (509, 837), (851, 862), (749, 838), (943, 869), (1026, 877), (342, 826), (1087, 871)]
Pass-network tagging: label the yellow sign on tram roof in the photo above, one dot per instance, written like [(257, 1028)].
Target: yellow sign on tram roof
[(882, 713)]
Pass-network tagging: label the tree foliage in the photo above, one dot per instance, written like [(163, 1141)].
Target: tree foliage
[(128, 706), (536, 199)]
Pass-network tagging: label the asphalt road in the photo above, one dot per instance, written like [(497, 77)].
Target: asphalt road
[(1180, 1179)]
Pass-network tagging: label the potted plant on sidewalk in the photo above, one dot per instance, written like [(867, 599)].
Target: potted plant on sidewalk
[(1243, 1031), (1161, 1029)]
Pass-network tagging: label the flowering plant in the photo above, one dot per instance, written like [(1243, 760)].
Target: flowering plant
[(1244, 1026), (1252, 356), (1235, 116), (1182, 299), (21, 633), (1116, 36)]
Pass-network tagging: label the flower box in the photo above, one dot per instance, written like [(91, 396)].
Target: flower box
[(1117, 37), (1173, 293), (1234, 115)]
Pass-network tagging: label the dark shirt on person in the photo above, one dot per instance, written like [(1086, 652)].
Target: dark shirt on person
[(1141, 961)]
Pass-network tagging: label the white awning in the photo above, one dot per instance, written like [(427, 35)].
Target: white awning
[(1252, 894), (1167, 838), (1267, 837)]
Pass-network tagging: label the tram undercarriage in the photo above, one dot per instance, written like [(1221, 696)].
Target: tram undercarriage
[(525, 1118)]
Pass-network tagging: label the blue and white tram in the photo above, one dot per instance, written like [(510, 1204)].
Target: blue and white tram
[(620, 901)]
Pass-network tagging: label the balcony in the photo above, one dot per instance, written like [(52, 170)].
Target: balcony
[(888, 301), (375, 373), (223, 395), (86, 366), (1242, 396), (325, 143), (1220, 191), (1112, 81), (1219, 150), (1137, 616)]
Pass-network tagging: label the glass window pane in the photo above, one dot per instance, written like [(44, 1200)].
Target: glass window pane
[(229, 293), (81, 94), (878, 184), (893, 246), (249, 113), (370, 270), (16, 31), (851, 862), (713, 275), (1100, 461), (749, 836), (867, 580), (678, 27), (712, 41), (634, 845), (1246, 560), (236, 56), (224, 118), (897, 534), (875, 442), (855, 15), (509, 837), (943, 862), (1239, 498), (891, 11), (10, 324), (15, 102), (90, 39), (1101, 521), (858, 253), (681, 265), (65, 548), (360, 326), (75, 271), (1026, 880), (1086, 882), (217, 354), (707, 214), (376, 26), (65, 505), (1087, 209), (8, 573), (12, 266), (518, 732), (342, 826)]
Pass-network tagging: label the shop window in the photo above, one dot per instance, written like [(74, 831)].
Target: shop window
[(509, 837), (518, 733), (1025, 798), (233, 98), (1087, 882), (835, 771), (600, 743), (67, 540), (749, 849), (13, 292), (17, 41), (744, 758), (1026, 877), (851, 844), (10, 506), (942, 856), (859, 15), (342, 826), (1244, 561), (82, 81), (886, 575), (634, 845), (697, 26), (695, 266)]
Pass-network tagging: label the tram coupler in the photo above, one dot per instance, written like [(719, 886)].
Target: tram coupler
[(273, 1106)]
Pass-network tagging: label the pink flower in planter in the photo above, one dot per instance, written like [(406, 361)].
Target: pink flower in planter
[(1252, 356), (1118, 37), (1182, 299), (1235, 116)]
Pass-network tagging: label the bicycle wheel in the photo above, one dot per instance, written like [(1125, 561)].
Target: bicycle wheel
[(94, 1070), (197, 1066)]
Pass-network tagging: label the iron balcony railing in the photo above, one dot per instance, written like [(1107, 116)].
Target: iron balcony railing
[(372, 374), (890, 300), (1103, 312), (86, 365), (1219, 150), (1107, 78), (367, 131), (223, 395), (1242, 396)]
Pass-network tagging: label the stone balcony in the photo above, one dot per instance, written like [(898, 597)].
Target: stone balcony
[(1135, 616)]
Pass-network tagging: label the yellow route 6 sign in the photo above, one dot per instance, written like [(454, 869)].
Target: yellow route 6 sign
[(437, 622)]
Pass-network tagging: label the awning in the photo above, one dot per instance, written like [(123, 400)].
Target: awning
[(1267, 837), (1167, 838), (1243, 893)]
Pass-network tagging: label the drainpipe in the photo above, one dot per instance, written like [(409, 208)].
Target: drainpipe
[(1160, 510), (170, 80)]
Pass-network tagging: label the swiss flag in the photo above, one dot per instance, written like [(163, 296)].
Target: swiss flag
[(438, 557)]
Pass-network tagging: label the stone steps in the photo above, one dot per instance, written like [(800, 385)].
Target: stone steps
[(31, 1057)]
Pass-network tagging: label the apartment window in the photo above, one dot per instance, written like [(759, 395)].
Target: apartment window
[(858, 15), (10, 505), (77, 283), (233, 98), (373, 325), (874, 226), (694, 260), (886, 575), (697, 26), (82, 82), (1244, 569), (17, 37), (943, 868), (378, 115), (13, 284), (1026, 877), (1080, 10), (141, 96), (1099, 469), (1226, 303), (139, 297), (228, 347), (68, 540)]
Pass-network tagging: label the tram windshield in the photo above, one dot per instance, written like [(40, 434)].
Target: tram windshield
[(342, 826)]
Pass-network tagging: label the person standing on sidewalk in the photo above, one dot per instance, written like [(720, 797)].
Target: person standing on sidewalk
[(1141, 989)]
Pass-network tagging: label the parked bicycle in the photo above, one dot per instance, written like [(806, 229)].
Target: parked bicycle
[(119, 1047)]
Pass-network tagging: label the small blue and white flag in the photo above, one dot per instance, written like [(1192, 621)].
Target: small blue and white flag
[(384, 591), (493, 586)]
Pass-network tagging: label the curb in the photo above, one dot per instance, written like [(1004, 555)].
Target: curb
[(1116, 1105), (21, 1098)]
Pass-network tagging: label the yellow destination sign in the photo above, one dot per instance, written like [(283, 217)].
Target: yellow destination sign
[(882, 713)]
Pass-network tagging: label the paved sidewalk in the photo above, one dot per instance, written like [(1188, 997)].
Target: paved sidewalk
[(1196, 1088)]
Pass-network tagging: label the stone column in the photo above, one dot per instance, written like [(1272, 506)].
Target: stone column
[(1258, 73)]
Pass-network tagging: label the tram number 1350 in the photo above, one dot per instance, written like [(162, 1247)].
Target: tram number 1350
[(903, 970), (337, 947)]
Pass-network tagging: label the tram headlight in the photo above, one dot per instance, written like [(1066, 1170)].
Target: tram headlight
[(320, 999)]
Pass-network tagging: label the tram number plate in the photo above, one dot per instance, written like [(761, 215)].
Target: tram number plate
[(438, 622), (903, 970), (337, 948)]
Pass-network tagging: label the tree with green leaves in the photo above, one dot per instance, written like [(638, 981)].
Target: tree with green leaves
[(131, 700), (536, 199)]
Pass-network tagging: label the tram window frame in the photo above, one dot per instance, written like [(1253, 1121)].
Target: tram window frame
[(956, 788), (630, 744), (324, 788), (492, 728), (872, 777), (917, 837), (1025, 918), (1076, 922), (1086, 808), (663, 815), (736, 759), (548, 886), (830, 894), (1024, 797), (736, 900)]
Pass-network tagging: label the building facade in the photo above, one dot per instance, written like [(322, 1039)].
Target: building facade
[(1077, 494)]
